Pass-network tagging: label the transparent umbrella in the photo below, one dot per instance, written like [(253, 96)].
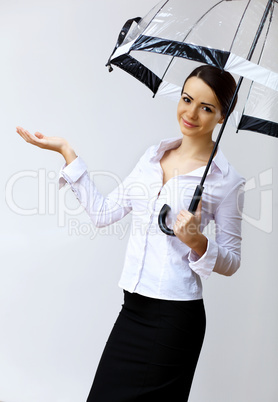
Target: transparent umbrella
[(238, 36)]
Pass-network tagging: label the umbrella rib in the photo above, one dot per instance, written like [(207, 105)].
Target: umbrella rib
[(267, 32), (240, 22), (200, 19), (259, 31), (189, 32)]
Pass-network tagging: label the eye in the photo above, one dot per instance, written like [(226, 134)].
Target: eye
[(186, 99), (207, 109)]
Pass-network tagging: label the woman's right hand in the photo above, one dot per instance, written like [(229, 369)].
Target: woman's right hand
[(56, 144)]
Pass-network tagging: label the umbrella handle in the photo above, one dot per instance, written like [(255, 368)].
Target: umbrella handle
[(161, 220), (192, 209)]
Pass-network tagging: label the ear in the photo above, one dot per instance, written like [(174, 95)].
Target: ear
[(221, 120)]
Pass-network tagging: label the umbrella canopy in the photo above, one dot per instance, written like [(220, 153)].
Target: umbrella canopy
[(238, 36), (219, 33)]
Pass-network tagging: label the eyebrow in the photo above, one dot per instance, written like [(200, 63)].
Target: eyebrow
[(202, 103)]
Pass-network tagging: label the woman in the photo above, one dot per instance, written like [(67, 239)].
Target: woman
[(155, 344)]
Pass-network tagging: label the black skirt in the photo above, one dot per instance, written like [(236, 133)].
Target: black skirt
[(152, 351)]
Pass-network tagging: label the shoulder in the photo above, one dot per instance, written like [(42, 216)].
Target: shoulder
[(147, 154), (143, 162), (154, 152), (150, 153), (230, 185), (234, 177), (231, 176)]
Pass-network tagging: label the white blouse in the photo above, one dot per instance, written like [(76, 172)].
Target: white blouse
[(157, 265)]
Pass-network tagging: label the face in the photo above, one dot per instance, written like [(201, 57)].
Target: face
[(199, 110)]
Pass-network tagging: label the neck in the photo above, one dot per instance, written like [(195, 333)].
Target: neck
[(195, 148)]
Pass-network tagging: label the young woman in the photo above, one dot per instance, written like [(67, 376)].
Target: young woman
[(155, 344)]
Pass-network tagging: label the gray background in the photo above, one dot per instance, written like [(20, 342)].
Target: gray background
[(58, 287)]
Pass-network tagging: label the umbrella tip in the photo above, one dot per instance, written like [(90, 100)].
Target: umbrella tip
[(110, 68)]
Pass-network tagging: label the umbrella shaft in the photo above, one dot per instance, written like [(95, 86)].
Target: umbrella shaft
[(221, 130)]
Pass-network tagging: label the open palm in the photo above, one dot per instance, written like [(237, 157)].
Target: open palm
[(51, 143)]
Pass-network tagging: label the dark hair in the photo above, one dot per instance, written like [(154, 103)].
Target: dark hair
[(221, 82)]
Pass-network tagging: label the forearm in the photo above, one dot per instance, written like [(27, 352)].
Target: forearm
[(103, 210)]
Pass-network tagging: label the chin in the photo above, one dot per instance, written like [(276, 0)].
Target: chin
[(188, 132)]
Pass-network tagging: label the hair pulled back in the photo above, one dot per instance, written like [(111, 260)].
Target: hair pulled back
[(221, 82)]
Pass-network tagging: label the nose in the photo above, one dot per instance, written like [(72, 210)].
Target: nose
[(192, 112)]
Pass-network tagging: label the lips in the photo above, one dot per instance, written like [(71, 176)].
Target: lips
[(189, 125)]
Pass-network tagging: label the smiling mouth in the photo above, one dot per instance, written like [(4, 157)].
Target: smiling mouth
[(187, 124)]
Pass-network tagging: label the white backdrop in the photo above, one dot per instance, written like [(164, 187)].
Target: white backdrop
[(58, 277)]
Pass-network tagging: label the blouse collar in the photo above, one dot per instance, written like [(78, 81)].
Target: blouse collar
[(219, 161)]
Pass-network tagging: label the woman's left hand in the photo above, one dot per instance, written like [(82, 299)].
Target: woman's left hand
[(187, 226)]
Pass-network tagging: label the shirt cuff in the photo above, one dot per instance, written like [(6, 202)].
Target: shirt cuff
[(203, 266), (72, 172)]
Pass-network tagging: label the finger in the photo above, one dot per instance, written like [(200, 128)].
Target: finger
[(28, 137), (181, 218), (32, 138), (183, 221), (176, 228), (183, 212), (198, 213), (18, 129), (39, 135), (21, 132), (199, 207), (186, 213)]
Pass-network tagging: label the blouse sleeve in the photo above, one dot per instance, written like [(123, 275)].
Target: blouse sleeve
[(102, 210), (223, 254)]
